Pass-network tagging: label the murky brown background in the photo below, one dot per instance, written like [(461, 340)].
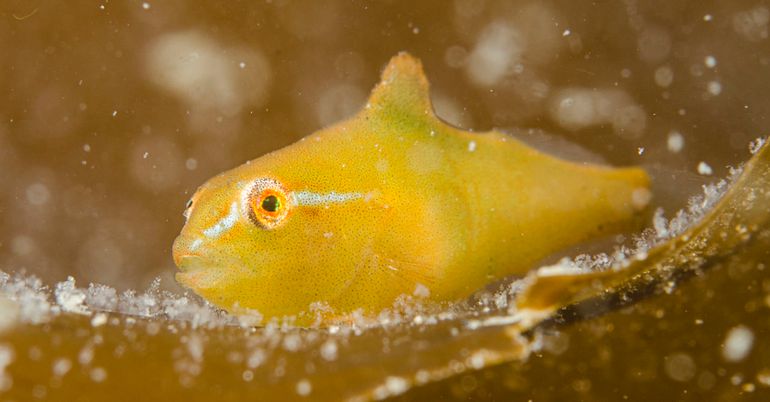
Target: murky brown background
[(112, 113)]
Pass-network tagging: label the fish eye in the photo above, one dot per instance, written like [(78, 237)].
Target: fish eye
[(271, 203), (267, 203)]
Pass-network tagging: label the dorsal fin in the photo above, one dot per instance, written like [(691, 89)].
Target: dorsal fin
[(403, 89)]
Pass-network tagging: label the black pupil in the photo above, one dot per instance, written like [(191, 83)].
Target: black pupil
[(270, 203)]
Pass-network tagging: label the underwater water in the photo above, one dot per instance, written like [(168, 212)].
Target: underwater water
[(114, 113)]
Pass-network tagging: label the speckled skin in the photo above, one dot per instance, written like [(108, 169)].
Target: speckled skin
[(440, 207)]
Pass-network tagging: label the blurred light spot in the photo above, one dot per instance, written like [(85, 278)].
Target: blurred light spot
[(710, 61), (38, 194), (578, 108), (752, 24), (160, 172), (450, 111), (497, 49), (714, 87), (191, 164), (339, 102), (679, 367), (704, 169), (664, 76), (629, 121), (304, 387), (206, 75), (675, 141), (455, 56), (737, 344), (654, 44), (22, 245)]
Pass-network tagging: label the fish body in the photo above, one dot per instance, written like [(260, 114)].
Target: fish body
[(392, 201)]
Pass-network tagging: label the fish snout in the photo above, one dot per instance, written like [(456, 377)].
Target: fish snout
[(186, 251)]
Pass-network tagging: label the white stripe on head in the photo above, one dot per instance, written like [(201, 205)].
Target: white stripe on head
[(308, 198), (224, 224)]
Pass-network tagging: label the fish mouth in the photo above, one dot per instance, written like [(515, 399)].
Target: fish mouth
[(188, 263)]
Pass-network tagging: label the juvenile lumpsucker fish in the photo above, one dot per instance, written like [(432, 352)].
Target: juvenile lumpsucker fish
[(392, 201)]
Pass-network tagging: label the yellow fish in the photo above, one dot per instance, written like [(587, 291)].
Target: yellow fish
[(392, 201)]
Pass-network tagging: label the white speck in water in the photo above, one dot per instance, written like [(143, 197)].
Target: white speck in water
[(304, 387), (640, 150), (248, 375), (242, 65), (708, 17), (471, 146), (566, 32), (675, 141), (86, 148), (114, 113), (191, 164), (328, 235), (145, 155), (714, 87), (738, 343), (710, 61), (415, 30), (146, 5), (705, 169)]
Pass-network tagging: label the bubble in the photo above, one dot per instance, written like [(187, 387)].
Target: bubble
[(710, 61), (679, 367)]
